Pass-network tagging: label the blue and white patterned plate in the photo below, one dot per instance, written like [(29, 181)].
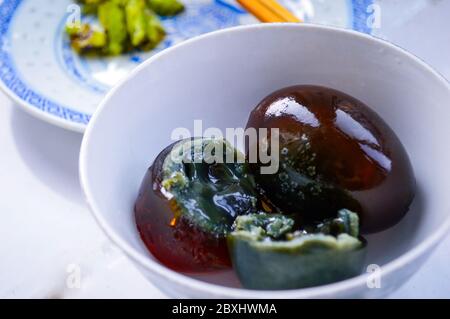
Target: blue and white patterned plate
[(39, 70)]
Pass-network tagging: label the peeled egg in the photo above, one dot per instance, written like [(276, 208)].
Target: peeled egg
[(334, 152)]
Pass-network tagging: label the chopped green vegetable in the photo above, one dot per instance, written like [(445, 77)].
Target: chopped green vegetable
[(155, 30), (74, 28), (136, 21), (166, 7), (93, 2), (90, 6), (85, 39), (267, 255), (127, 25), (112, 18)]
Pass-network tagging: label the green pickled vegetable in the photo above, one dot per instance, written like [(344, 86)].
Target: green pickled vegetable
[(90, 6), (127, 25), (267, 255), (166, 7), (85, 39), (90, 9), (155, 31), (136, 21), (91, 2), (112, 18)]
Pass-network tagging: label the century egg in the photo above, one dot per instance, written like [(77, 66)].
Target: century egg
[(334, 152), (188, 202), (289, 258)]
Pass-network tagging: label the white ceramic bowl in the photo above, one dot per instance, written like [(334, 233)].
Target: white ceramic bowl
[(219, 78)]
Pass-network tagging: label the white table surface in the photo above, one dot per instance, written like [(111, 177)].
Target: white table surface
[(46, 227)]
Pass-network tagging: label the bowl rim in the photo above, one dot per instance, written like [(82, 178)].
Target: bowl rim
[(214, 290)]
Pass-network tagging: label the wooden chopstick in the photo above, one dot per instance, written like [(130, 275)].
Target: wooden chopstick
[(268, 11)]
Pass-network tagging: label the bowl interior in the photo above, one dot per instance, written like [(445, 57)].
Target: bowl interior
[(220, 77)]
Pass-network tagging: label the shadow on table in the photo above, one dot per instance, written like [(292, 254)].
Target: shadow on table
[(50, 152)]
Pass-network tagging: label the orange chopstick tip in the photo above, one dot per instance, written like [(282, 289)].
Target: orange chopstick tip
[(269, 11)]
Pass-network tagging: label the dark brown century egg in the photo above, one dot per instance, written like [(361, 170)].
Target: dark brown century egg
[(334, 152)]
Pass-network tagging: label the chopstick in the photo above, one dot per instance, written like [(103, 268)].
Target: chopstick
[(269, 11)]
